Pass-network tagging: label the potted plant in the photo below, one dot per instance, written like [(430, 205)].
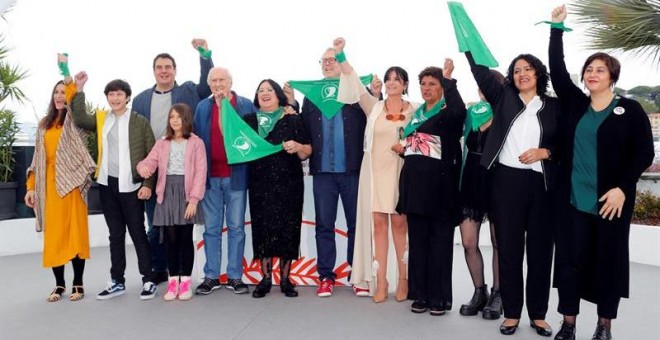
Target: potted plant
[(10, 76), (8, 130)]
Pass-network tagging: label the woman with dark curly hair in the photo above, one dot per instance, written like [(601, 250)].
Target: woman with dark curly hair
[(518, 152)]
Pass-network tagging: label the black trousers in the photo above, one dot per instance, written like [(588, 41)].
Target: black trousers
[(430, 258), (522, 213), (121, 211), (585, 235)]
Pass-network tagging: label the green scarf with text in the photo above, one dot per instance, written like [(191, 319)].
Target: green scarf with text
[(420, 116), (242, 143), (323, 93)]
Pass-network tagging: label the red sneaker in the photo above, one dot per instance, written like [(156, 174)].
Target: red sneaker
[(361, 292), (325, 288)]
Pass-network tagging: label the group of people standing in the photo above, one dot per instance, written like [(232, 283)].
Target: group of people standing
[(395, 165)]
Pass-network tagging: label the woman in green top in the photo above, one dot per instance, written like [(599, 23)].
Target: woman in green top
[(606, 145)]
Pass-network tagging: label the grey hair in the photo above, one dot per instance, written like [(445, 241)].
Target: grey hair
[(208, 78)]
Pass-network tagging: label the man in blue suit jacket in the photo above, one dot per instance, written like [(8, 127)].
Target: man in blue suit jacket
[(154, 103)]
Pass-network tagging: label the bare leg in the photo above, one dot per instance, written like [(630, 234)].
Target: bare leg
[(400, 236), (380, 254)]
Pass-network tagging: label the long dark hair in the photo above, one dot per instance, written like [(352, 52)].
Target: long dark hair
[(542, 76), (53, 114), (186, 114)]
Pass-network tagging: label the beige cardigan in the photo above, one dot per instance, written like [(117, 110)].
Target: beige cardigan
[(73, 166)]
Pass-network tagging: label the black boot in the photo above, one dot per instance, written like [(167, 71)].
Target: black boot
[(493, 309), (477, 303), (566, 332), (287, 287), (266, 282), (601, 333)]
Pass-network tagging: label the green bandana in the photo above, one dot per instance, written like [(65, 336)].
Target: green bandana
[(64, 67), (323, 93), (206, 54), (242, 143), (559, 25), (419, 117), (468, 37), (267, 121), (480, 113)]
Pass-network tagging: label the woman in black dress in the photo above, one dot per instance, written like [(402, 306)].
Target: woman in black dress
[(276, 187), (606, 145), (428, 188), (474, 207)]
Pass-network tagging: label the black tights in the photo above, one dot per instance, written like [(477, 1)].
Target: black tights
[(180, 249), (78, 270), (267, 268)]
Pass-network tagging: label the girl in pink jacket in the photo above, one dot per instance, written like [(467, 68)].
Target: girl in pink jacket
[(180, 158)]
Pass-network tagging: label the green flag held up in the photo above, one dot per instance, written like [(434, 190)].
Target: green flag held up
[(468, 37), (323, 93), (242, 143)]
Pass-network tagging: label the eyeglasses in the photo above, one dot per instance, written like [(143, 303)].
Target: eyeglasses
[(395, 117), (265, 91), (331, 60)]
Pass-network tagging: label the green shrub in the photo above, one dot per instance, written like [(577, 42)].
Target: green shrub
[(647, 208)]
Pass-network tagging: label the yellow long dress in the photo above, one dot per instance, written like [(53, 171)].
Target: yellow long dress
[(66, 231)]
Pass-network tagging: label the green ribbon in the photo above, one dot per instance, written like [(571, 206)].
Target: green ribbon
[(468, 37), (204, 53), (479, 113), (559, 25), (420, 116), (323, 93), (64, 67), (242, 143), (267, 121)]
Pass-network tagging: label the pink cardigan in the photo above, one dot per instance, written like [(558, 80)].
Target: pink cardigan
[(194, 167)]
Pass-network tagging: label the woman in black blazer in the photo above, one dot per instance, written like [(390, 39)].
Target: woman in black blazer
[(518, 152), (606, 144)]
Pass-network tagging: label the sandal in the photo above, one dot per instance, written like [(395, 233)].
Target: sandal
[(56, 294), (77, 293)]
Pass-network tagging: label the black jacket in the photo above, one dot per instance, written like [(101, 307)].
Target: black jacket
[(624, 150), (507, 106)]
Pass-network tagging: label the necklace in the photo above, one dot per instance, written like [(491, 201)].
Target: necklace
[(395, 117)]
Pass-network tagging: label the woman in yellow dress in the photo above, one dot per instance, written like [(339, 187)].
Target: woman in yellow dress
[(57, 183)]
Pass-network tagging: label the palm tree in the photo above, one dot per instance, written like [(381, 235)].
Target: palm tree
[(622, 25)]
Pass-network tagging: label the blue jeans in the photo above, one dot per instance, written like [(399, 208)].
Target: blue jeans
[(158, 249), (328, 187), (219, 200)]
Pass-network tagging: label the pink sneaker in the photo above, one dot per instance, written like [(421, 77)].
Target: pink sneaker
[(185, 289), (361, 292), (172, 288), (325, 288)]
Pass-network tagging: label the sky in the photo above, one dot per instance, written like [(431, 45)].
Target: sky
[(282, 40)]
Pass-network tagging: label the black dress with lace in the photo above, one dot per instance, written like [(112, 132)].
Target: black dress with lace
[(276, 190), (474, 183)]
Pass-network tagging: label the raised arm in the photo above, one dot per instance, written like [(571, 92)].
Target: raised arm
[(487, 82), (559, 76), (454, 100), (78, 108), (69, 85), (367, 101), (205, 65)]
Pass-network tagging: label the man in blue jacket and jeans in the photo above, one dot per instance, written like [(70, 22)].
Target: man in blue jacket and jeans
[(154, 103), (226, 187)]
